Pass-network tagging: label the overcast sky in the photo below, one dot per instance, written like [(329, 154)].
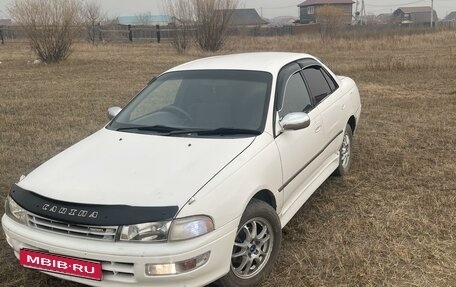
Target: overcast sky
[(269, 8)]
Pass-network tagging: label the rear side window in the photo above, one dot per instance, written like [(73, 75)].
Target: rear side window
[(319, 87), (330, 80)]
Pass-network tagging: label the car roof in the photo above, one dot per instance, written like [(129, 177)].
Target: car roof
[(270, 62)]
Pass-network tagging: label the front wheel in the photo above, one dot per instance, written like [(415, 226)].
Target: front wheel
[(256, 246), (345, 153)]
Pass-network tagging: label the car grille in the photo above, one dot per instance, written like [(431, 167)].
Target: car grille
[(104, 233)]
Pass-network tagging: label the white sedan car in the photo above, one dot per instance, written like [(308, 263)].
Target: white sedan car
[(193, 180)]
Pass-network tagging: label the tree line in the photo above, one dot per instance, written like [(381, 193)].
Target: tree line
[(53, 25)]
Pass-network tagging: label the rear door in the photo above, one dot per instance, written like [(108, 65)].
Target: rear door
[(326, 96)]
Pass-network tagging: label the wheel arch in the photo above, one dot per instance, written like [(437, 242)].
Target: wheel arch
[(352, 123), (266, 196)]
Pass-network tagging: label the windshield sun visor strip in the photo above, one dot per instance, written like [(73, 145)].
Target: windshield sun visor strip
[(89, 214)]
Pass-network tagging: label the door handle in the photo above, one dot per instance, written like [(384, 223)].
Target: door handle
[(318, 129), (343, 106)]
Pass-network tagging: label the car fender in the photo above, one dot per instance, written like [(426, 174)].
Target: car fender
[(226, 196)]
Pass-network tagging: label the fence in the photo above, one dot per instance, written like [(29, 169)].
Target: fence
[(121, 33), (167, 33), (136, 33), (10, 33), (449, 24)]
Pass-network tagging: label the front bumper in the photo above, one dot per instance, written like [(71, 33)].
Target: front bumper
[(123, 263)]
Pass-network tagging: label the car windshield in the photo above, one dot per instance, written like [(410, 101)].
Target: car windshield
[(203, 103)]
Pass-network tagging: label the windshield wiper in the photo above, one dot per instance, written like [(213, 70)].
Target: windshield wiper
[(155, 128), (171, 131), (218, 131)]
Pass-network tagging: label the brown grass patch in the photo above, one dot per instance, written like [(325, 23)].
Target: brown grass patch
[(390, 223)]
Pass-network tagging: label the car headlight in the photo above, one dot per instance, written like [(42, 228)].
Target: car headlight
[(145, 232), (15, 211), (190, 227), (179, 229)]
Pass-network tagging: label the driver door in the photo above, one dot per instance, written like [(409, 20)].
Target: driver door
[(298, 148)]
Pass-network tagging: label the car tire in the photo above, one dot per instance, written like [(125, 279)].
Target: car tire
[(345, 152), (261, 222)]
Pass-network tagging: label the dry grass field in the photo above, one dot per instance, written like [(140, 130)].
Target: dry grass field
[(391, 222)]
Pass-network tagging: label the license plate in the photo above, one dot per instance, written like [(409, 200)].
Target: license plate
[(60, 264)]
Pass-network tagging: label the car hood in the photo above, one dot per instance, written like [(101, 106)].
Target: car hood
[(111, 167)]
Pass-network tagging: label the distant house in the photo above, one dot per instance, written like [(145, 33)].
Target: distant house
[(415, 15), (281, 21), (308, 10), (383, 19), (451, 17), (245, 18), (144, 20)]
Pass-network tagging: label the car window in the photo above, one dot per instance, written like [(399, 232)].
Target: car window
[(296, 96), (318, 85), (200, 100), (163, 95), (332, 83), (282, 79)]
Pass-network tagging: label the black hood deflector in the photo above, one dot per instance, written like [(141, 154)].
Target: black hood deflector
[(89, 214)]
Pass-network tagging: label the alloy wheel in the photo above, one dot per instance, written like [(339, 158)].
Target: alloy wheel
[(252, 248)]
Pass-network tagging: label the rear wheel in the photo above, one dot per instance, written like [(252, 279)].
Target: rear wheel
[(256, 246), (345, 152)]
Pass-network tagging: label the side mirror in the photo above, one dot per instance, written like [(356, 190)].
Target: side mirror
[(295, 121), (113, 111)]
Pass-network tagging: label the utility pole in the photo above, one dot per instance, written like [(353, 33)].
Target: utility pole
[(360, 13), (356, 12), (363, 13), (432, 13)]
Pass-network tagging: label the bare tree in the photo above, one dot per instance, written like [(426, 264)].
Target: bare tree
[(209, 19), (331, 20), (144, 19), (93, 15), (183, 23), (51, 25), (212, 22)]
